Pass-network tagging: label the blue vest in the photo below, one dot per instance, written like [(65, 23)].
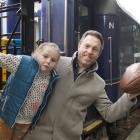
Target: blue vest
[(17, 88)]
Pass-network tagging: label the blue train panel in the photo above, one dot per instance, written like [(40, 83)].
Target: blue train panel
[(57, 22), (53, 22), (12, 18), (44, 21), (109, 67)]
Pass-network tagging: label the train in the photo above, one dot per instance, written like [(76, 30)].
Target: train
[(63, 22)]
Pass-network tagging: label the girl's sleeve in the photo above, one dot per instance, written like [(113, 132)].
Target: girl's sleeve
[(10, 62)]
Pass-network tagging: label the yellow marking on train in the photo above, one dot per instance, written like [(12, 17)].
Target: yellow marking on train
[(93, 125)]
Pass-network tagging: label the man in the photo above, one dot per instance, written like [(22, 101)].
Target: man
[(79, 86)]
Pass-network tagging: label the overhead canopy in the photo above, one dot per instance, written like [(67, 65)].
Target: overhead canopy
[(131, 7)]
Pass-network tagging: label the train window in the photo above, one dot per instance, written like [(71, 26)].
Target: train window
[(130, 7), (136, 57), (129, 32)]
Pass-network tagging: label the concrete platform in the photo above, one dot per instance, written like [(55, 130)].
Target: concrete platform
[(135, 134)]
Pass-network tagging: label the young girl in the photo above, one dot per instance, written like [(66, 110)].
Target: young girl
[(27, 89)]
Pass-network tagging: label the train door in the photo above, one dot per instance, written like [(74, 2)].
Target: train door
[(102, 16), (65, 21), (58, 23)]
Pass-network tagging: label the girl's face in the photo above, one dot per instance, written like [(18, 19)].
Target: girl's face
[(47, 58)]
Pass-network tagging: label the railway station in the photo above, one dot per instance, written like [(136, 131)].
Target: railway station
[(26, 24)]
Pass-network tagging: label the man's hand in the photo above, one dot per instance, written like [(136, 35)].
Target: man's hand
[(132, 97)]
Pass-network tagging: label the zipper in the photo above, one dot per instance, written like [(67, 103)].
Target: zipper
[(24, 101), (4, 103)]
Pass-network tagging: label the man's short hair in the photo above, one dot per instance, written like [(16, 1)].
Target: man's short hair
[(95, 34)]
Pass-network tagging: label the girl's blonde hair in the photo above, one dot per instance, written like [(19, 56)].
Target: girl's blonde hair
[(46, 44)]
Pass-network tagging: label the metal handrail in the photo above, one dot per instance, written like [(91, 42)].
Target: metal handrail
[(10, 6), (66, 27)]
